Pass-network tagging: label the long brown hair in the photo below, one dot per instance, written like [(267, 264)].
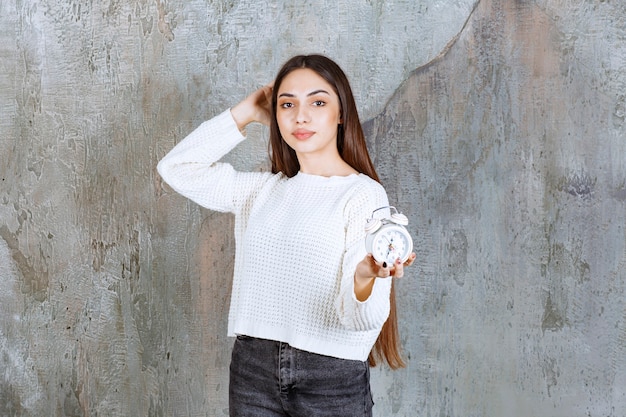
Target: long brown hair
[(353, 150)]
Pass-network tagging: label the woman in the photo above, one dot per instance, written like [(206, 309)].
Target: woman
[(308, 305)]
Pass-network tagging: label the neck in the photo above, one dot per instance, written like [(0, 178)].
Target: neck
[(325, 167)]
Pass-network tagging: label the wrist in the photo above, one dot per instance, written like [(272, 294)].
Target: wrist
[(241, 115), (363, 287), (363, 280)]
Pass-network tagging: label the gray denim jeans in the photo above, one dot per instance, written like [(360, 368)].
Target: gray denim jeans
[(269, 378)]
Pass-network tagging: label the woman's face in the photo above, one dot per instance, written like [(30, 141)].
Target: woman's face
[(308, 113)]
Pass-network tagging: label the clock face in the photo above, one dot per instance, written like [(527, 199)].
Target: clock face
[(390, 243)]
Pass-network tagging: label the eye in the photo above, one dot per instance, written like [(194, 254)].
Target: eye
[(286, 105), (319, 103)]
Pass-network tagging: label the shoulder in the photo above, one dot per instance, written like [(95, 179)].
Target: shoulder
[(367, 184), (367, 194)]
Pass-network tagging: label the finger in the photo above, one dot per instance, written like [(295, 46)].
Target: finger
[(384, 270), (399, 269), (410, 260)]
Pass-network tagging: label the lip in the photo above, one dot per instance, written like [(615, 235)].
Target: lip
[(302, 134)]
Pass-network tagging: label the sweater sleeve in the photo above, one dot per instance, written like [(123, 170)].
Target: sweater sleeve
[(371, 314), (192, 170)]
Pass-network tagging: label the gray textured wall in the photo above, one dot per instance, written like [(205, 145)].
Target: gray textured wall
[(508, 117)]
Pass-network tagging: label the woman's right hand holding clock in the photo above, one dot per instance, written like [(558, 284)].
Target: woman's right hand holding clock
[(368, 269)]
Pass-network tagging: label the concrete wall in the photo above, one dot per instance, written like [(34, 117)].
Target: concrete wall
[(507, 118)]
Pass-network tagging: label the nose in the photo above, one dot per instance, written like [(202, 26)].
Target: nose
[(303, 115)]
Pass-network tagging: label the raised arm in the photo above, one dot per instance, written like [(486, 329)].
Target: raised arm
[(192, 169)]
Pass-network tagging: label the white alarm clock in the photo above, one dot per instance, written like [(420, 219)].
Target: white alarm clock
[(387, 238)]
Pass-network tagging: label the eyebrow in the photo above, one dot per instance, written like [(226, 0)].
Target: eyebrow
[(312, 93)]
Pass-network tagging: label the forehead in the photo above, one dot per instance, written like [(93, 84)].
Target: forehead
[(304, 80)]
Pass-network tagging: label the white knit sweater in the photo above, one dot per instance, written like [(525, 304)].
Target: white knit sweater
[(298, 241)]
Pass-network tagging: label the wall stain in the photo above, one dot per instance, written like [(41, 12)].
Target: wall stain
[(35, 282), (394, 395), (578, 185), (166, 23), (132, 266), (551, 373), (552, 319), (564, 263), (147, 22), (65, 13), (10, 399), (456, 256), (619, 113), (100, 250), (619, 193)]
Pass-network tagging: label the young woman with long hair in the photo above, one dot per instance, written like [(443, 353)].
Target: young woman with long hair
[(310, 309)]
